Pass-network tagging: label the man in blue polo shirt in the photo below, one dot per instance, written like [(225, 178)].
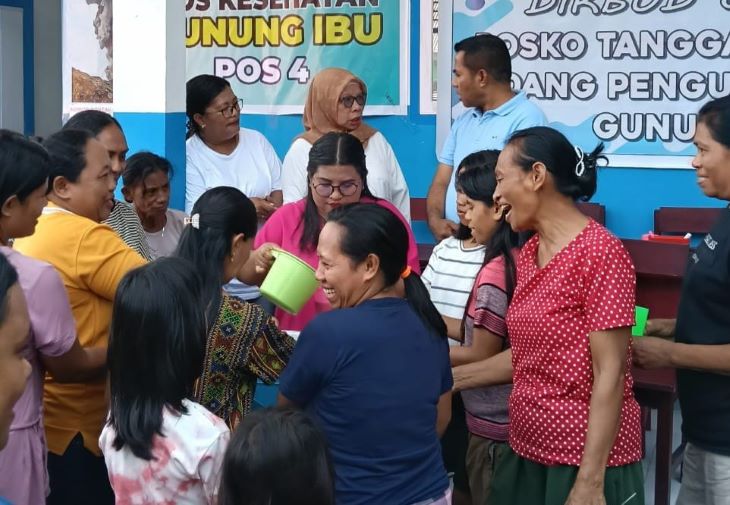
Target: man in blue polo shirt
[(482, 74)]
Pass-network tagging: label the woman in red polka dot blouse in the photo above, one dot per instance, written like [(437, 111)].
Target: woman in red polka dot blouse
[(575, 430)]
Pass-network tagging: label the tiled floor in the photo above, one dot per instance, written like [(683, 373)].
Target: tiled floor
[(650, 458)]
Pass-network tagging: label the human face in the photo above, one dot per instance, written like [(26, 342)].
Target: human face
[(466, 83), (514, 193), (337, 175), (92, 195), (21, 218), (712, 163), (343, 283), (152, 195), (14, 368), (350, 118), (221, 120), (115, 143), (482, 219)]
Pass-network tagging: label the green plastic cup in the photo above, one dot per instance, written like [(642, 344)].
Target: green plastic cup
[(290, 282), (642, 315)]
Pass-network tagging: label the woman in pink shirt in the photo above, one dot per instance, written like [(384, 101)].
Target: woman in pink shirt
[(336, 176)]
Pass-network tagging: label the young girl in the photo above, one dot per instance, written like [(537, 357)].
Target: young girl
[(159, 446), (484, 327), (146, 185), (277, 457), (244, 343)]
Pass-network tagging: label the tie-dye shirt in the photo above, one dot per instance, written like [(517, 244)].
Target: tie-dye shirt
[(186, 463)]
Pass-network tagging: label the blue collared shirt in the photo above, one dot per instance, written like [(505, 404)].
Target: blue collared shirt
[(476, 131)]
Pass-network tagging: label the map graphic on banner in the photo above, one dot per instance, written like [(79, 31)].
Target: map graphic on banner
[(269, 50), (630, 73)]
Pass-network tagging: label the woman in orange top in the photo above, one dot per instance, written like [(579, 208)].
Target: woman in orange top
[(91, 260)]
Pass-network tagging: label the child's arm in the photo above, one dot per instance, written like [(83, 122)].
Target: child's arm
[(211, 467)]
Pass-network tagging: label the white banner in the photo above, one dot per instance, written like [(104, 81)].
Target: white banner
[(630, 73)]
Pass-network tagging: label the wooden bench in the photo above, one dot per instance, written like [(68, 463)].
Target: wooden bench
[(681, 220)]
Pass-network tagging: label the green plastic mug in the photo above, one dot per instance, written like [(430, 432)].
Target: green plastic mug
[(290, 282), (642, 315)]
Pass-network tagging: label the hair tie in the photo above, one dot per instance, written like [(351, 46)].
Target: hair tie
[(193, 220), (580, 167), (406, 272)]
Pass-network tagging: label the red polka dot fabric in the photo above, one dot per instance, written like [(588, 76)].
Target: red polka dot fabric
[(588, 286)]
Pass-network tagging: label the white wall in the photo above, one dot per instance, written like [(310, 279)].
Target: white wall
[(48, 97), (11, 68)]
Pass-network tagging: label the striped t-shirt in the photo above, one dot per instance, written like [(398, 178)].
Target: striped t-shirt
[(125, 222), (450, 275)]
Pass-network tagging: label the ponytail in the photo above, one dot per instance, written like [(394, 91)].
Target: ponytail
[(419, 299)]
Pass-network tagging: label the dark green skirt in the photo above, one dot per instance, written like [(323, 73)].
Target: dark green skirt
[(518, 481)]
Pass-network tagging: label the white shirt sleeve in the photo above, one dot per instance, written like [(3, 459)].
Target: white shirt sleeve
[(399, 195), (294, 171), (194, 181), (211, 466)]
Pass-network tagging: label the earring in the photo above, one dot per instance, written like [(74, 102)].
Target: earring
[(202, 126), (233, 260)]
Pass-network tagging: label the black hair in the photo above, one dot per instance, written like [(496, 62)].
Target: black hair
[(372, 229), (8, 278), (223, 213), (24, 166), (67, 151), (334, 148), (551, 148), (156, 349), (142, 164), (479, 183), (715, 114), (93, 121), (277, 457), (200, 91), (474, 160), (489, 53)]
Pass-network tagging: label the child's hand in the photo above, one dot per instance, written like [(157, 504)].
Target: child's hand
[(263, 258)]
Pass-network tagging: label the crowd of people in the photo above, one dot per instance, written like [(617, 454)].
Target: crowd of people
[(133, 335)]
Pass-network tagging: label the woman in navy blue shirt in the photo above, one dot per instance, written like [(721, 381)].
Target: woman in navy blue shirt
[(375, 374)]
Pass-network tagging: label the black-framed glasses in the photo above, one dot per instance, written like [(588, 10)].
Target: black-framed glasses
[(325, 189), (348, 100), (231, 110)]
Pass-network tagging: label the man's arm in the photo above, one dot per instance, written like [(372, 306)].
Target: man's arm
[(435, 203)]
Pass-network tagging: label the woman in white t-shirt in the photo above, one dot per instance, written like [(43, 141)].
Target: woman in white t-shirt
[(335, 103), (221, 153), (146, 185)]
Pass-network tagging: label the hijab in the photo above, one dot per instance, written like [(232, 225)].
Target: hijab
[(320, 110)]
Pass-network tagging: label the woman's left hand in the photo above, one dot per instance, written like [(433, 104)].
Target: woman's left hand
[(652, 352), (586, 494)]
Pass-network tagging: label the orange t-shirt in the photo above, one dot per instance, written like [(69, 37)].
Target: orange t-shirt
[(91, 259)]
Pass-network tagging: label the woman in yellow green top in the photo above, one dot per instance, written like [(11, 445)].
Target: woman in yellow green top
[(91, 260)]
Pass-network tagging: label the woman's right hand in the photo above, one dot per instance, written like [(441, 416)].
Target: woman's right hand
[(264, 208), (263, 258), (663, 328)]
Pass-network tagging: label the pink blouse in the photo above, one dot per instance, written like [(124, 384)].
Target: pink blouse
[(284, 228)]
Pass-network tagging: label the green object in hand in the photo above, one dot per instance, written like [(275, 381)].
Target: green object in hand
[(642, 314)]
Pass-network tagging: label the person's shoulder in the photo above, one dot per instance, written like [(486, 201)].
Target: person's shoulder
[(33, 272), (176, 215), (249, 136), (202, 417), (466, 116), (599, 243), (527, 109)]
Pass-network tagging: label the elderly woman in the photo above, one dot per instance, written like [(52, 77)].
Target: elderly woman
[(91, 260), (219, 152), (335, 103), (375, 372), (575, 430), (701, 347), (336, 176)]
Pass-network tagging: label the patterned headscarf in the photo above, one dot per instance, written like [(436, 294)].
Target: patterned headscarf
[(320, 111)]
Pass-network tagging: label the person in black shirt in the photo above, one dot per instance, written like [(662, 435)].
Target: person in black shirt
[(697, 343)]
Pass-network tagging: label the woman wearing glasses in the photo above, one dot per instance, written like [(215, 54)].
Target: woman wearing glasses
[(336, 176), (335, 103), (221, 153)]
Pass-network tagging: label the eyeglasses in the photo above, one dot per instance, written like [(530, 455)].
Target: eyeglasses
[(231, 110), (348, 100), (325, 189)]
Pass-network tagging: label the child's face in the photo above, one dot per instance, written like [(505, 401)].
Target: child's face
[(461, 207), (482, 219), (14, 368), (151, 196)]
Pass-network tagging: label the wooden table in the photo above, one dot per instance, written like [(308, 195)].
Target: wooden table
[(657, 389)]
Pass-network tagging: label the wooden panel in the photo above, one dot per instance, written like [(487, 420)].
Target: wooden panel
[(685, 219), (418, 209), (595, 211)]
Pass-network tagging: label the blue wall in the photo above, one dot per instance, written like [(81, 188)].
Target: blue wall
[(28, 62)]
